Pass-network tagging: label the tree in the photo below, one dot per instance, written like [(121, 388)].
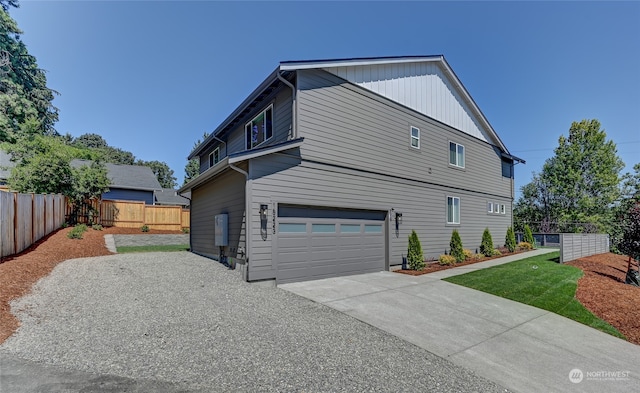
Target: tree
[(90, 141), (192, 169), (528, 235), (88, 182), (486, 246), (510, 240), (457, 251), (162, 172), (578, 186), (23, 86), (415, 258), (630, 244)]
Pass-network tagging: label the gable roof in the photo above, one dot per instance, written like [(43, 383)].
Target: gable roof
[(169, 196), (131, 177), (466, 117)]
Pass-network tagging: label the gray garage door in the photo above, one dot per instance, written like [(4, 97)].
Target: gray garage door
[(315, 243)]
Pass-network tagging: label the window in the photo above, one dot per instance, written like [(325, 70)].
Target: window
[(259, 129), (373, 228), (453, 210), (323, 228), (292, 228), (415, 137), (350, 228), (503, 209), (456, 154), (489, 207), (496, 208), (214, 157)]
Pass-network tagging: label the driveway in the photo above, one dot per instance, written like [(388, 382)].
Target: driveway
[(520, 347), (172, 322)]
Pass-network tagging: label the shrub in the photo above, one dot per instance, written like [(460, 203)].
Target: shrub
[(445, 259), (97, 227), (185, 230), (77, 231), (496, 253), (510, 240), (486, 247), (477, 257), (415, 258), (64, 225), (525, 246), (468, 254), (528, 236), (145, 228), (456, 246)]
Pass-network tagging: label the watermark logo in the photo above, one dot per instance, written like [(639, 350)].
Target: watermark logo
[(576, 375)]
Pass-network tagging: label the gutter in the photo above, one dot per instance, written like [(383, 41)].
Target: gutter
[(247, 216), (294, 106)]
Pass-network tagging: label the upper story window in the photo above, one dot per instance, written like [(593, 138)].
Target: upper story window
[(415, 137), (259, 129), (214, 157), (453, 210), (489, 207), (456, 154)]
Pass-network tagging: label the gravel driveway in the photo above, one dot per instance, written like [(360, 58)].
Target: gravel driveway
[(181, 319)]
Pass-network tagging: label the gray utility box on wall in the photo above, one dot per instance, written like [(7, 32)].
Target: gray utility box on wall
[(221, 230)]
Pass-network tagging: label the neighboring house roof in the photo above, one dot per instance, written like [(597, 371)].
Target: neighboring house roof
[(428, 73), (169, 196), (130, 177), (5, 165)]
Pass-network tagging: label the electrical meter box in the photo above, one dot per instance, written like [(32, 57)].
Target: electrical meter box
[(221, 230)]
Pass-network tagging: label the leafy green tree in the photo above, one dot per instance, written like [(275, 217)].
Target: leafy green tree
[(163, 173), (486, 246), (630, 244), (90, 141), (192, 169), (528, 235), (510, 240), (88, 182), (457, 251), (579, 184), (415, 258), (23, 86)]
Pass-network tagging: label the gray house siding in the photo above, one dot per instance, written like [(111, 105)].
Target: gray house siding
[(236, 142), (349, 126), (423, 206), (121, 194), (224, 194)]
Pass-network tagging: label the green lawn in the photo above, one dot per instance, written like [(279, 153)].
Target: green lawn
[(177, 247), (538, 281)]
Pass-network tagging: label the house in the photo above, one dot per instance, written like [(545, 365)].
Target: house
[(327, 166), (5, 169), (128, 182), (169, 197)]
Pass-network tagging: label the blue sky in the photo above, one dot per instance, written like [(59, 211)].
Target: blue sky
[(152, 76)]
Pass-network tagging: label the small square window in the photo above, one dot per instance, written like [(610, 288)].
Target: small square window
[(415, 137), (456, 154)]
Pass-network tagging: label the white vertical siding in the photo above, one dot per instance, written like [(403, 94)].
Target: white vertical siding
[(419, 86)]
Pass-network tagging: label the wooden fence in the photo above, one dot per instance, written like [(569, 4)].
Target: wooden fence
[(27, 218), (134, 214)]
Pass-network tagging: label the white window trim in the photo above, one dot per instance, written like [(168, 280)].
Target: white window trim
[(503, 209), (464, 153), (212, 160), (270, 106), (496, 208), (489, 207), (454, 214), (411, 137)]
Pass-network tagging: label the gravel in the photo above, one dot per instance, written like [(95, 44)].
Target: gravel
[(150, 240), (188, 321)]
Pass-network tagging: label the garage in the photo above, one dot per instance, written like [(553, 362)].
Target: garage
[(316, 242)]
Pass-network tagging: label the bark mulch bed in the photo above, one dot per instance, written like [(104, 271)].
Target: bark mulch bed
[(434, 266), (603, 292), (19, 272)]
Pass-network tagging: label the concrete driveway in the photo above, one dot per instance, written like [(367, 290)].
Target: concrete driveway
[(520, 347), (177, 322)]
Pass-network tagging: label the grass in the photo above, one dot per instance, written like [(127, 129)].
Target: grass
[(538, 281), (163, 248)]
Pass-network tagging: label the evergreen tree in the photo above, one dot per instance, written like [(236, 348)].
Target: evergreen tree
[(415, 258), (457, 251), (510, 240), (486, 247)]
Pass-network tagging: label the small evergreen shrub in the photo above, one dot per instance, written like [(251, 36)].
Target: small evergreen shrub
[(77, 231), (445, 259), (415, 258), (496, 253), (97, 227), (525, 246), (468, 254), (145, 228), (528, 236), (486, 247), (510, 240), (456, 246)]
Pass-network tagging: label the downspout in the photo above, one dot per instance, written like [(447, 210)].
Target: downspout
[(247, 216), (221, 141), (294, 112)]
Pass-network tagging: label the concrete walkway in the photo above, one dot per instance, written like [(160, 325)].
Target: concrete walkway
[(520, 347)]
